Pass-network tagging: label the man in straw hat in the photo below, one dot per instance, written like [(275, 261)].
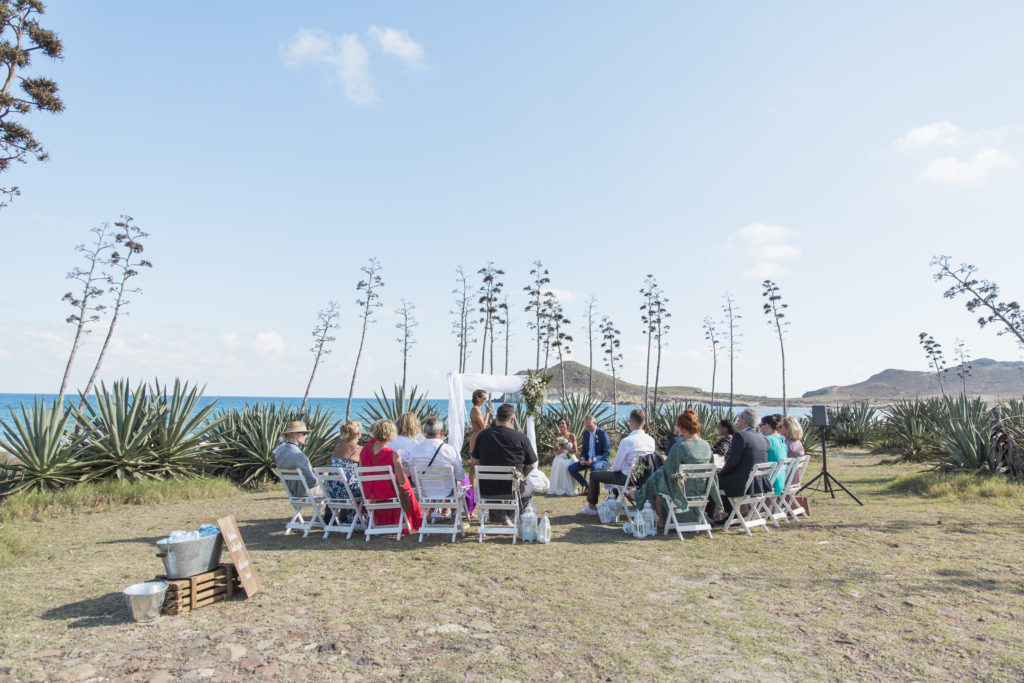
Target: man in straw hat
[(289, 455)]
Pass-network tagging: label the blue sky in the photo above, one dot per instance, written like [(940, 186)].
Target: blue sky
[(271, 150)]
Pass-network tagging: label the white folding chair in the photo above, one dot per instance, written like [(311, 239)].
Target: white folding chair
[(301, 498), (705, 474), (751, 499), (510, 502), (771, 506), (385, 473), (788, 500), (334, 478), (430, 481), (620, 490)]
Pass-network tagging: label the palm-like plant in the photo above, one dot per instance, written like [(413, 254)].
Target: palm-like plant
[(246, 439), (385, 408), (46, 455), (967, 438), (323, 434), (911, 427), (855, 425), (184, 431), (119, 432), (575, 407)]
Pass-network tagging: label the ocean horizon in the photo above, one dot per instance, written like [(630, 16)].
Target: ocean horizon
[(12, 403)]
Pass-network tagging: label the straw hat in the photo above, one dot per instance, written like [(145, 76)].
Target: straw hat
[(296, 427)]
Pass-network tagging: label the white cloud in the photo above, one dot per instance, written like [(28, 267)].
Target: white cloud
[(565, 296), (763, 233), (399, 44), (952, 171), (230, 341), (345, 54), (268, 343), (767, 244), (941, 133), (766, 269)]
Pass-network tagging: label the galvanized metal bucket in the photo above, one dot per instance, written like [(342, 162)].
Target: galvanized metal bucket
[(188, 558), (145, 599)]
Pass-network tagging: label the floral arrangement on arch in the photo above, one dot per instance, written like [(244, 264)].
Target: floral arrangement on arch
[(533, 392)]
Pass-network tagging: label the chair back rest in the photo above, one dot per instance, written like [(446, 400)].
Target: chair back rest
[(801, 467), (761, 469), (294, 484), (633, 457), (335, 476), (496, 473), (381, 473), (790, 464), (434, 482), (697, 472)]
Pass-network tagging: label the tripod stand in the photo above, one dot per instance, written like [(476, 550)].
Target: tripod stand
[(828, 482)]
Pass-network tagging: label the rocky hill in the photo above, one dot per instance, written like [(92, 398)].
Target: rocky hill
[(989, 378)]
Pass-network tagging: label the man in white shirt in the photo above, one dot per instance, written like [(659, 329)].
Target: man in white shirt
[(435, 452), (637, 443)]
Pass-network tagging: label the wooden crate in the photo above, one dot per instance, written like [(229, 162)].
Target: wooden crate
[(185, 595)]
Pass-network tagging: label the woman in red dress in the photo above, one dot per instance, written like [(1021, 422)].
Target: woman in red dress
[(377, 454)]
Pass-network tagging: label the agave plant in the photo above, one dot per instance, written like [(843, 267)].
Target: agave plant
[(323, 434), (855, 425), (45, 454), (575, 407), (180, 437), (911, 427), (119, 432), (812, 435), (385, 408), (967, 437)]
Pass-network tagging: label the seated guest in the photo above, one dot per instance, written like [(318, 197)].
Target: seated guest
[(564, 433), (289, 456), (501, 445), (721, 447), (409, 436), (434, 452), (748, 448), (636, 443), (595, 454), (793, 433), (776, 449), (346, 457), (377, 454), (689, 450)]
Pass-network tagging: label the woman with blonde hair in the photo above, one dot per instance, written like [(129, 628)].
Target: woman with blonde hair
[(346, 457), (377, 454), (409, 436), (793, 433)]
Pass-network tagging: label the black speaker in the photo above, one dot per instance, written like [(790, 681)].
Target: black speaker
[(819, 416)]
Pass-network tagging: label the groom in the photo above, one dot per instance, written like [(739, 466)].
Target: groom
[(595, 453)]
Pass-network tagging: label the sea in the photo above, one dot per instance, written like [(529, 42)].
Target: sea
[(12, 403)]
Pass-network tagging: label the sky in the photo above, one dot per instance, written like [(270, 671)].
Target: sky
[(271, 150)]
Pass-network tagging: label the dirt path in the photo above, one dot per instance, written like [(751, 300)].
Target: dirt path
[(902, 588)]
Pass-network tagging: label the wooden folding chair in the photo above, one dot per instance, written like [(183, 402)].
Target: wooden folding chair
[(510, 501), (430, 482), (301, 498), (334, 481), (704, 474), (387, 474), (751, 499), (788, 500)]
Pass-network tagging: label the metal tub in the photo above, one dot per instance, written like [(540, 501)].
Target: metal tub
[(188, 558), (145, 599)]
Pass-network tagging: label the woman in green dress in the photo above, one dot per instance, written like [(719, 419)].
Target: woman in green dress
[(690, 450)]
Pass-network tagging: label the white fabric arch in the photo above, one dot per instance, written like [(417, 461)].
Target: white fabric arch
[(462, 386)]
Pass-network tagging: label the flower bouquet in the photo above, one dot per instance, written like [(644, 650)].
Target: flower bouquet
[(533, 392)]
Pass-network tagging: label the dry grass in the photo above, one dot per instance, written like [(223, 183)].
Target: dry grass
[(872, 592), (960, 486), (106, 495)]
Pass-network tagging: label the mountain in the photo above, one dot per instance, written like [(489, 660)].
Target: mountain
[(991, 379), (577, 375)]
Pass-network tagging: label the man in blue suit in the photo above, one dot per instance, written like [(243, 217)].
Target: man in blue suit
[(595, 451)]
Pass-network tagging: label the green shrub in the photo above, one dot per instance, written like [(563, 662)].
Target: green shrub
[(384, 408), (854, 425), (966, 439), (911, 428)]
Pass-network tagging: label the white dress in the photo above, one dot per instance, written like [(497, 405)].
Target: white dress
[(562, 483)]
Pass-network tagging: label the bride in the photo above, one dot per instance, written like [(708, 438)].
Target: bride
[(562, 483)]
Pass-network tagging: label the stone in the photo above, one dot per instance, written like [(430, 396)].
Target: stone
[(267, 669), (234, 651), (162, 677), (251, 662), (79, 672), (45, 654), (198, 674), (449, 628)]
